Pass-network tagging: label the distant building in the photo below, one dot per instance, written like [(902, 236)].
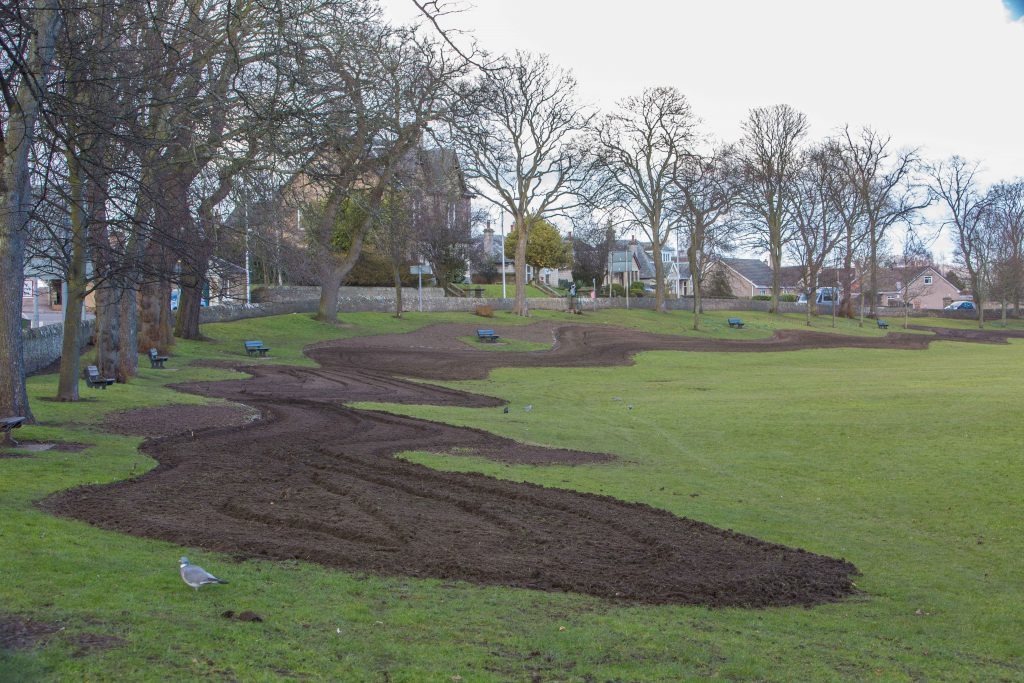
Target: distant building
[(747, 277), (630, 261)]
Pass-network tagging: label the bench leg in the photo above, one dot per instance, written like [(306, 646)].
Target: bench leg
[(8, 439)]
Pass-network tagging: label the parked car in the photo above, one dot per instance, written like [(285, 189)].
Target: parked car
[(961, 306), (825, 295)]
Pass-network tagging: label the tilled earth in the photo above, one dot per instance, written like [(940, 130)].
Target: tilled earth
[(315, 480)]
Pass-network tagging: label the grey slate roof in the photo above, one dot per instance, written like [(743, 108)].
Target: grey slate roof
[(758, 272)]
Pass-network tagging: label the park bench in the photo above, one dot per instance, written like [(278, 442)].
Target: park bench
[(735, 322), (883, 324), (156, 360), (93, 379), (487, 336), (7, 424), (256, 348)]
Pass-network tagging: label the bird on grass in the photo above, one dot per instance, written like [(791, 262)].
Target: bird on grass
[(528, 407), (506, 410), (196, 576)]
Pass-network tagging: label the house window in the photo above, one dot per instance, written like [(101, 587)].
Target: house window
[(927, 279)]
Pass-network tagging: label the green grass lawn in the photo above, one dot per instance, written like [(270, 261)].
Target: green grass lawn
[(906, 463), (494, 291)]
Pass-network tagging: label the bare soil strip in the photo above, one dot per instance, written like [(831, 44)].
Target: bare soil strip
[(315, 480)]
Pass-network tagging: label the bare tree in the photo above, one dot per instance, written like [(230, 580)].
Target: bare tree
[(954, 183), (910, 282), (519, 145), (707, 192), (819, 224), (1005, 222), (640, 149), (770, 160), (591, 244), (393, 236), (29, 35), (885, 183), (366, 93)]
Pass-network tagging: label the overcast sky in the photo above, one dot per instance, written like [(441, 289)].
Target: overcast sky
[(945, 75)]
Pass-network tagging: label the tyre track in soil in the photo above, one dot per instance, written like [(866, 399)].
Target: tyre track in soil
[(317, 481)]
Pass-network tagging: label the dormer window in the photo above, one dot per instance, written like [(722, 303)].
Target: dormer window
[(927, 279)]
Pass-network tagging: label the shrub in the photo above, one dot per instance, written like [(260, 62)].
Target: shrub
[(789, 298), (617, 290), (761, 297), (484, 311)]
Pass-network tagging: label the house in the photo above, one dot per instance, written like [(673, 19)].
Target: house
[(631, 261), (684, 278), (489, 248), (924, 288), (747, 277), (226, 282)]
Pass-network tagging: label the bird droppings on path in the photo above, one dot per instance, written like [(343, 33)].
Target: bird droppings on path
[(340, 498)]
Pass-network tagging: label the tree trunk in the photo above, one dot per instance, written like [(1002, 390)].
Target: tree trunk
[(659, 276), (13, 398), (775, 256), (128, 303), (776, 262), (190, 301), (846, 306), (519, 307), (691, 255), (14, 203), (330, 281), (812, 295), (334, 270), (67, 382), (155, 316), (398, 291), (108, 318), (862, 305), (873, 275)]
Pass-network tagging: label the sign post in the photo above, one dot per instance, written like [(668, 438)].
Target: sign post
[(421, 270)]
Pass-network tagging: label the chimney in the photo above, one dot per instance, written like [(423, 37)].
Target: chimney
[(488, 239)]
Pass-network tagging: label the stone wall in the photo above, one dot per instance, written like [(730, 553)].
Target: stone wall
[(290, 293), (42, 345), (229, 312)]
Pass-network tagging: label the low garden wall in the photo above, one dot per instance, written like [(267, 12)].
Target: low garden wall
[(42, 345), (292, 293)]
